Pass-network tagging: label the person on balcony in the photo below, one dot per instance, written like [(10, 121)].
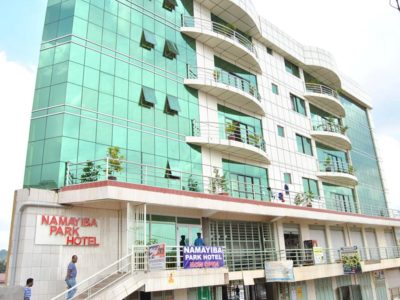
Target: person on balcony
[(199, 241), (182, 244)]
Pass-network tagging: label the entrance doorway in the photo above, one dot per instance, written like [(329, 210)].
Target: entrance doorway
[(292, 243)]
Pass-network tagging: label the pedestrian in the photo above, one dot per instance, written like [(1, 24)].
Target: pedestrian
[(237, 292), (70, 279), (27, 289), (182, 244), (199, 241)]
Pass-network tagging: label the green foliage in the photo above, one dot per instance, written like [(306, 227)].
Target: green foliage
[(114, 160), (193, 185), (218, 183), (230, 128), (90, 172), (2, 266)]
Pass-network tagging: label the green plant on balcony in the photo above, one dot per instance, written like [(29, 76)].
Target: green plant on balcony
[(343, 129), (230, 130), (330, 124), (328, 164), (218, 183), (114, 161), (90, 172), (298, 200), (253, 90), (254, 139), (309, 198), (193, 185), (217, 74), (351, 170)]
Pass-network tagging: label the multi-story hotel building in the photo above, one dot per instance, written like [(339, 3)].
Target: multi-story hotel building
[(154, 119)]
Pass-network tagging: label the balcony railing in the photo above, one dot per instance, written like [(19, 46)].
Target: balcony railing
[(254, 259), (219, 75), (321, 89), (329, 165), (329, 126), (189, 21), (228, 131), (132, 172)]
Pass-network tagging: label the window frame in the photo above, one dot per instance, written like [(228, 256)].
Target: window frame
[(303, 148)]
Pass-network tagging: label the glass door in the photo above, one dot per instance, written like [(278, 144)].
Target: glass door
[(189, 231)]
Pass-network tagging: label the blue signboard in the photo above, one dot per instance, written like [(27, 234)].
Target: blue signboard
[(203, 257)]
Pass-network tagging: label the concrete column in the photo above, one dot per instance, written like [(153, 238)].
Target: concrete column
[(280, 239), (180, 294), (205, 227), (311, 293)]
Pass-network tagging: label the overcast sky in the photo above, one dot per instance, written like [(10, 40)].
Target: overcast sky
[(363, 35)]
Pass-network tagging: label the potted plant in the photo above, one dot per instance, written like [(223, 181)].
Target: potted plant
[(217, 74), (218, 184), (343, 129), (254, 139), (114, 161), (351, 169), (309, 198), (328, 164), (252, 90), (90, 172), (230, 130), (298, 200), (193, 185), (330, 124)]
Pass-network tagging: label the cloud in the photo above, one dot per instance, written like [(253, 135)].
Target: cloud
[(16, 93), (389, 149)]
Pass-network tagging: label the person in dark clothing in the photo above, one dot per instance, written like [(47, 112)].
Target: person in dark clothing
[(237, 292), (182, 243)]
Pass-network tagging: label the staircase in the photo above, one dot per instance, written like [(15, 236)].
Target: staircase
[(100, 286), (91, 287)]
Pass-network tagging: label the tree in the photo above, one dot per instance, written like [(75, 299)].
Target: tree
[(90, 172), (2, 266)]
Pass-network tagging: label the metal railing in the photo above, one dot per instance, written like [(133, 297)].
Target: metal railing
[(329, 126), (328, 165), (101, 280), (132, 172), (234, 260), (228, 131), (321, 89), (189, 21), (221, 76)]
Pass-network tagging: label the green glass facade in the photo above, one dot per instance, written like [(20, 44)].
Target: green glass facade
[(370, 190), (92, 71)]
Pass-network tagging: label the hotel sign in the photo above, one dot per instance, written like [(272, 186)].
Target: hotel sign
[(67, 231)]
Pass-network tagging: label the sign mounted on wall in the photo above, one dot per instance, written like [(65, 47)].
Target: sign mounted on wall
[(67, 231), (279, 271)]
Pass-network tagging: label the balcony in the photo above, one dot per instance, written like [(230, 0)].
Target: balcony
[(223, 40), (229, 139), (226, 87), (325, 98), (337, 172), (331, 134)]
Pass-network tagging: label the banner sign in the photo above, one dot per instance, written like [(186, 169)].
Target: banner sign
[(351, 260), (279, 271), (203, 257), (318, 253), (157, 257), (67, 231)]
